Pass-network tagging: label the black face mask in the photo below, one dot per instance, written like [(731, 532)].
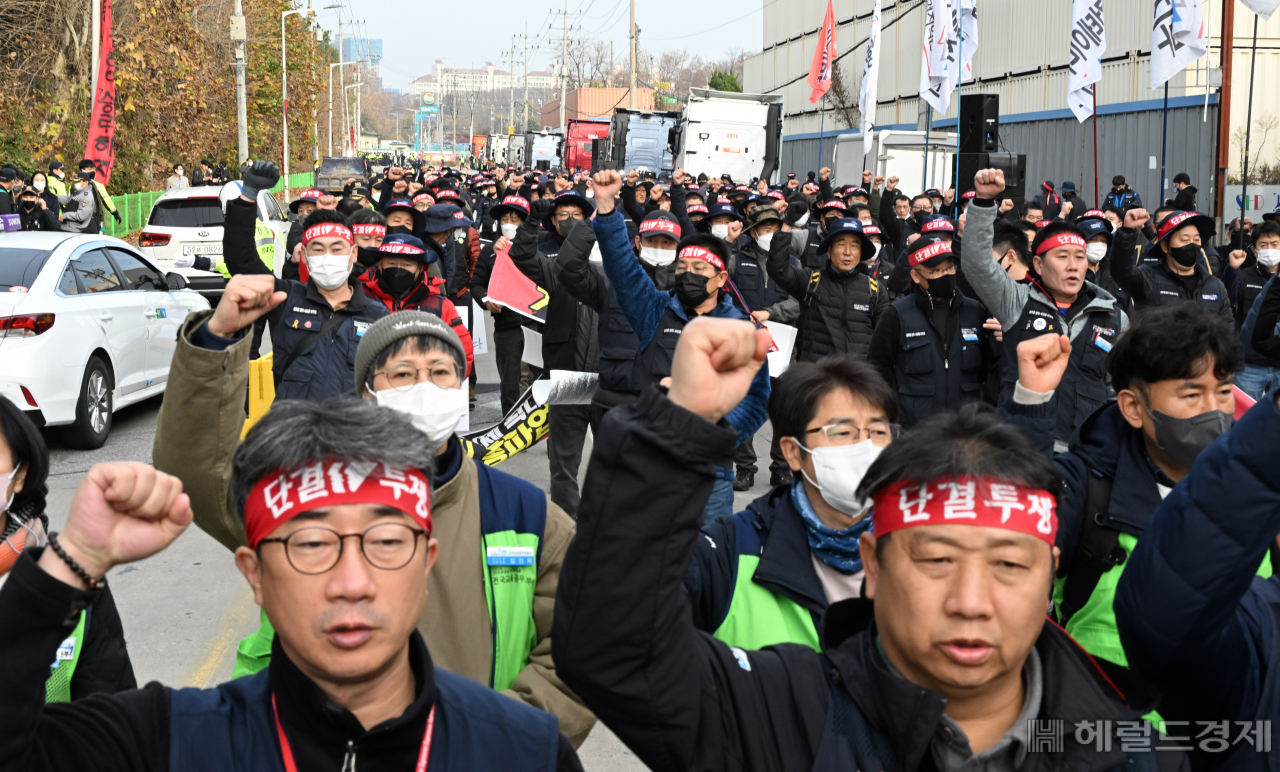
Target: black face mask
[(396, 281), (826, 224), (920, 215), (943, 287), (1185, 256), (691, 289), (28, 205), (367, 256), (399, 229), (564, 226)]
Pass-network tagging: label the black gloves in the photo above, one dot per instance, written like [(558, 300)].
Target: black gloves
[(795, 210), (116, 215), (262, 175), (541, 207)]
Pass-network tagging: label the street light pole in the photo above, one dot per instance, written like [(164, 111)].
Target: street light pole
[(239, 39), (284, 89), (331, 66), (350, 138)]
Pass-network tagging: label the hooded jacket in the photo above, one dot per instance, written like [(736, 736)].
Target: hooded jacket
[(1192, 616), (426, 295), (680, 699), (1185, 201), (455, 619), (1155, 285)]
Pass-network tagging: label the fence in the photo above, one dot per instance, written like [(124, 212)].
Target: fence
[(135, 208)]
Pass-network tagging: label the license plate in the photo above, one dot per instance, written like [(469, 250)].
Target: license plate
[(205, 249)]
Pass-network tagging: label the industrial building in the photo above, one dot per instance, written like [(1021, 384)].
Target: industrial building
[(1023, 53)]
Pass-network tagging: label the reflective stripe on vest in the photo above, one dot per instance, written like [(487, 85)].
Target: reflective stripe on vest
[(759, 617), (58, 687)]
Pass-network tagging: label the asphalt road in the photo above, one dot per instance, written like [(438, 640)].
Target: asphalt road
[(185, 610)]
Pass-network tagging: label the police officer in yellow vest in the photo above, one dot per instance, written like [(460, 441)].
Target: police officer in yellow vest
[(103, 205), (57, 179), (93, 658), (491, 594)]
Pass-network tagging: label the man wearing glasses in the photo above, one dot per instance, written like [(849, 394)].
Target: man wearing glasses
[(489, 600), (335, 501), (931, 345)]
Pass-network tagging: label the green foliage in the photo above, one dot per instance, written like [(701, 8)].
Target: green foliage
[(724, 81)]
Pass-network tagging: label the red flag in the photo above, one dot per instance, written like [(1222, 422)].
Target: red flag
[(824, 58), (508, 287), (100, 145)]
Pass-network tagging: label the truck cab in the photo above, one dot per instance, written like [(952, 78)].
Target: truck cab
[(725, 132), (642, 138), (579, 133), (334, 172)]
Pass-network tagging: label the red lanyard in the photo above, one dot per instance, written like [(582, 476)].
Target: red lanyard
[(287, 753)]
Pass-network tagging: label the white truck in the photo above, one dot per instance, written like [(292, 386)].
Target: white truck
[(498, 148), (898, 154), (546, 151), (723, 132)]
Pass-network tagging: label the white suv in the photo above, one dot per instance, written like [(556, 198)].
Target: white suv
[(190, 219)]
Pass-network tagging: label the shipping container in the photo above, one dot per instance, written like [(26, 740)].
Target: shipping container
[(588, 103)]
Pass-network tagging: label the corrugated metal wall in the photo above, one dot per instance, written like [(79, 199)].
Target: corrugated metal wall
[(1061, 150)]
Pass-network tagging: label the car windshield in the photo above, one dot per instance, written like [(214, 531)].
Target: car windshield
[(350, 166), (187, 213), (19, 267)]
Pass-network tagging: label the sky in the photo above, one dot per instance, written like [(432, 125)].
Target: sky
[(414, 35)]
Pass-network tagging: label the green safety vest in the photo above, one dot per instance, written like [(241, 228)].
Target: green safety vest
[(58, 687), (760, 617), (1094, 625), (509, 551)]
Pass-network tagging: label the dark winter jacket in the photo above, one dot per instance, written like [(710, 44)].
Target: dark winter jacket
[(1192, 616), (506, 319), (569, 340), (1185, 201), (232, 727), (1156, 285), (625, 640), (1260, 326), (1123, 199), (427, 295), (838, 311)]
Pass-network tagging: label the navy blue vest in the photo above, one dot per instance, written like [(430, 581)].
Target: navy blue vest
[(232, 729), (931, 381), (327, 368)]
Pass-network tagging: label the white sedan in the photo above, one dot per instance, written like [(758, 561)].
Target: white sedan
[(87, 326)]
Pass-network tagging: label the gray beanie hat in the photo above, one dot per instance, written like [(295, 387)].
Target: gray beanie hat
[(395, 327)]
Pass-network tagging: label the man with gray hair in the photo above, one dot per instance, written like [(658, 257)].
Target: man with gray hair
[(489, 622), (352, 683)]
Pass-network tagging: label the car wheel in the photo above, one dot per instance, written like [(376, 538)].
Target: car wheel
[(93, 409)]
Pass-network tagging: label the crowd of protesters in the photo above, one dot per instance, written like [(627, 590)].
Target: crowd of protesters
[(1021, 512)]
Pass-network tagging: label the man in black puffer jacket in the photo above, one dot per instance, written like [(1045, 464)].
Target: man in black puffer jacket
[(839, 302)]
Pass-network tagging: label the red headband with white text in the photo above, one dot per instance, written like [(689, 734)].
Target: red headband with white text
[(1060, 240), (328, 230), (698, 253), (369, 229), (966, 500), (280, 496)]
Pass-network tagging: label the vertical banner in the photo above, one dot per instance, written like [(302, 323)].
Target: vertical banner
[(1179, 36), (938, 63), (966, 11), (1088, 42), (870, 82), (100, 145), (1263, 8), (824, 57)]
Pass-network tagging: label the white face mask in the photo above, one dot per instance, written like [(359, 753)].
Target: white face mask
[(876, 254), (433, 411), (803, 221), (39, 185), (596, 256), (329, 271), (1268, 258), (764, 241), (840, 471), (1095, 253), (657, 257), (509, 229), (720, 231), (5, 480), (182, 173), (591, 193)]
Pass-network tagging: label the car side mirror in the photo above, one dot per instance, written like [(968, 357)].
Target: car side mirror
[(176, 281)]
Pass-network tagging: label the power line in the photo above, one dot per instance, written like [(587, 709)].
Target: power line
[(727, 23)]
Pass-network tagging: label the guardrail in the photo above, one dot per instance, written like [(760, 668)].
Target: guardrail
[(135, 208)]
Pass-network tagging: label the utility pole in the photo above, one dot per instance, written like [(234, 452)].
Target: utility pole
[(633, 54), (609, 77), (238, 40), (511, 112), (342, 83), (525, 126), (564, 62), (1224, 110), (95, 51)]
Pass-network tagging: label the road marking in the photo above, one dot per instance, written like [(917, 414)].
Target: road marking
[(237, 620)]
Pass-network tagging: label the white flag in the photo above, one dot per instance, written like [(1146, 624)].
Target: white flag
[(870, 76), (1088, 42), (969, 30), (938, 55), (1263, 8), (1179, 36)]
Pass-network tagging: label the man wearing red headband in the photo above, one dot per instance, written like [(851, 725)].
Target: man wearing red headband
[(949, 663), (315, 330), (336, 504), (1056, 297), (1183, 272)]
